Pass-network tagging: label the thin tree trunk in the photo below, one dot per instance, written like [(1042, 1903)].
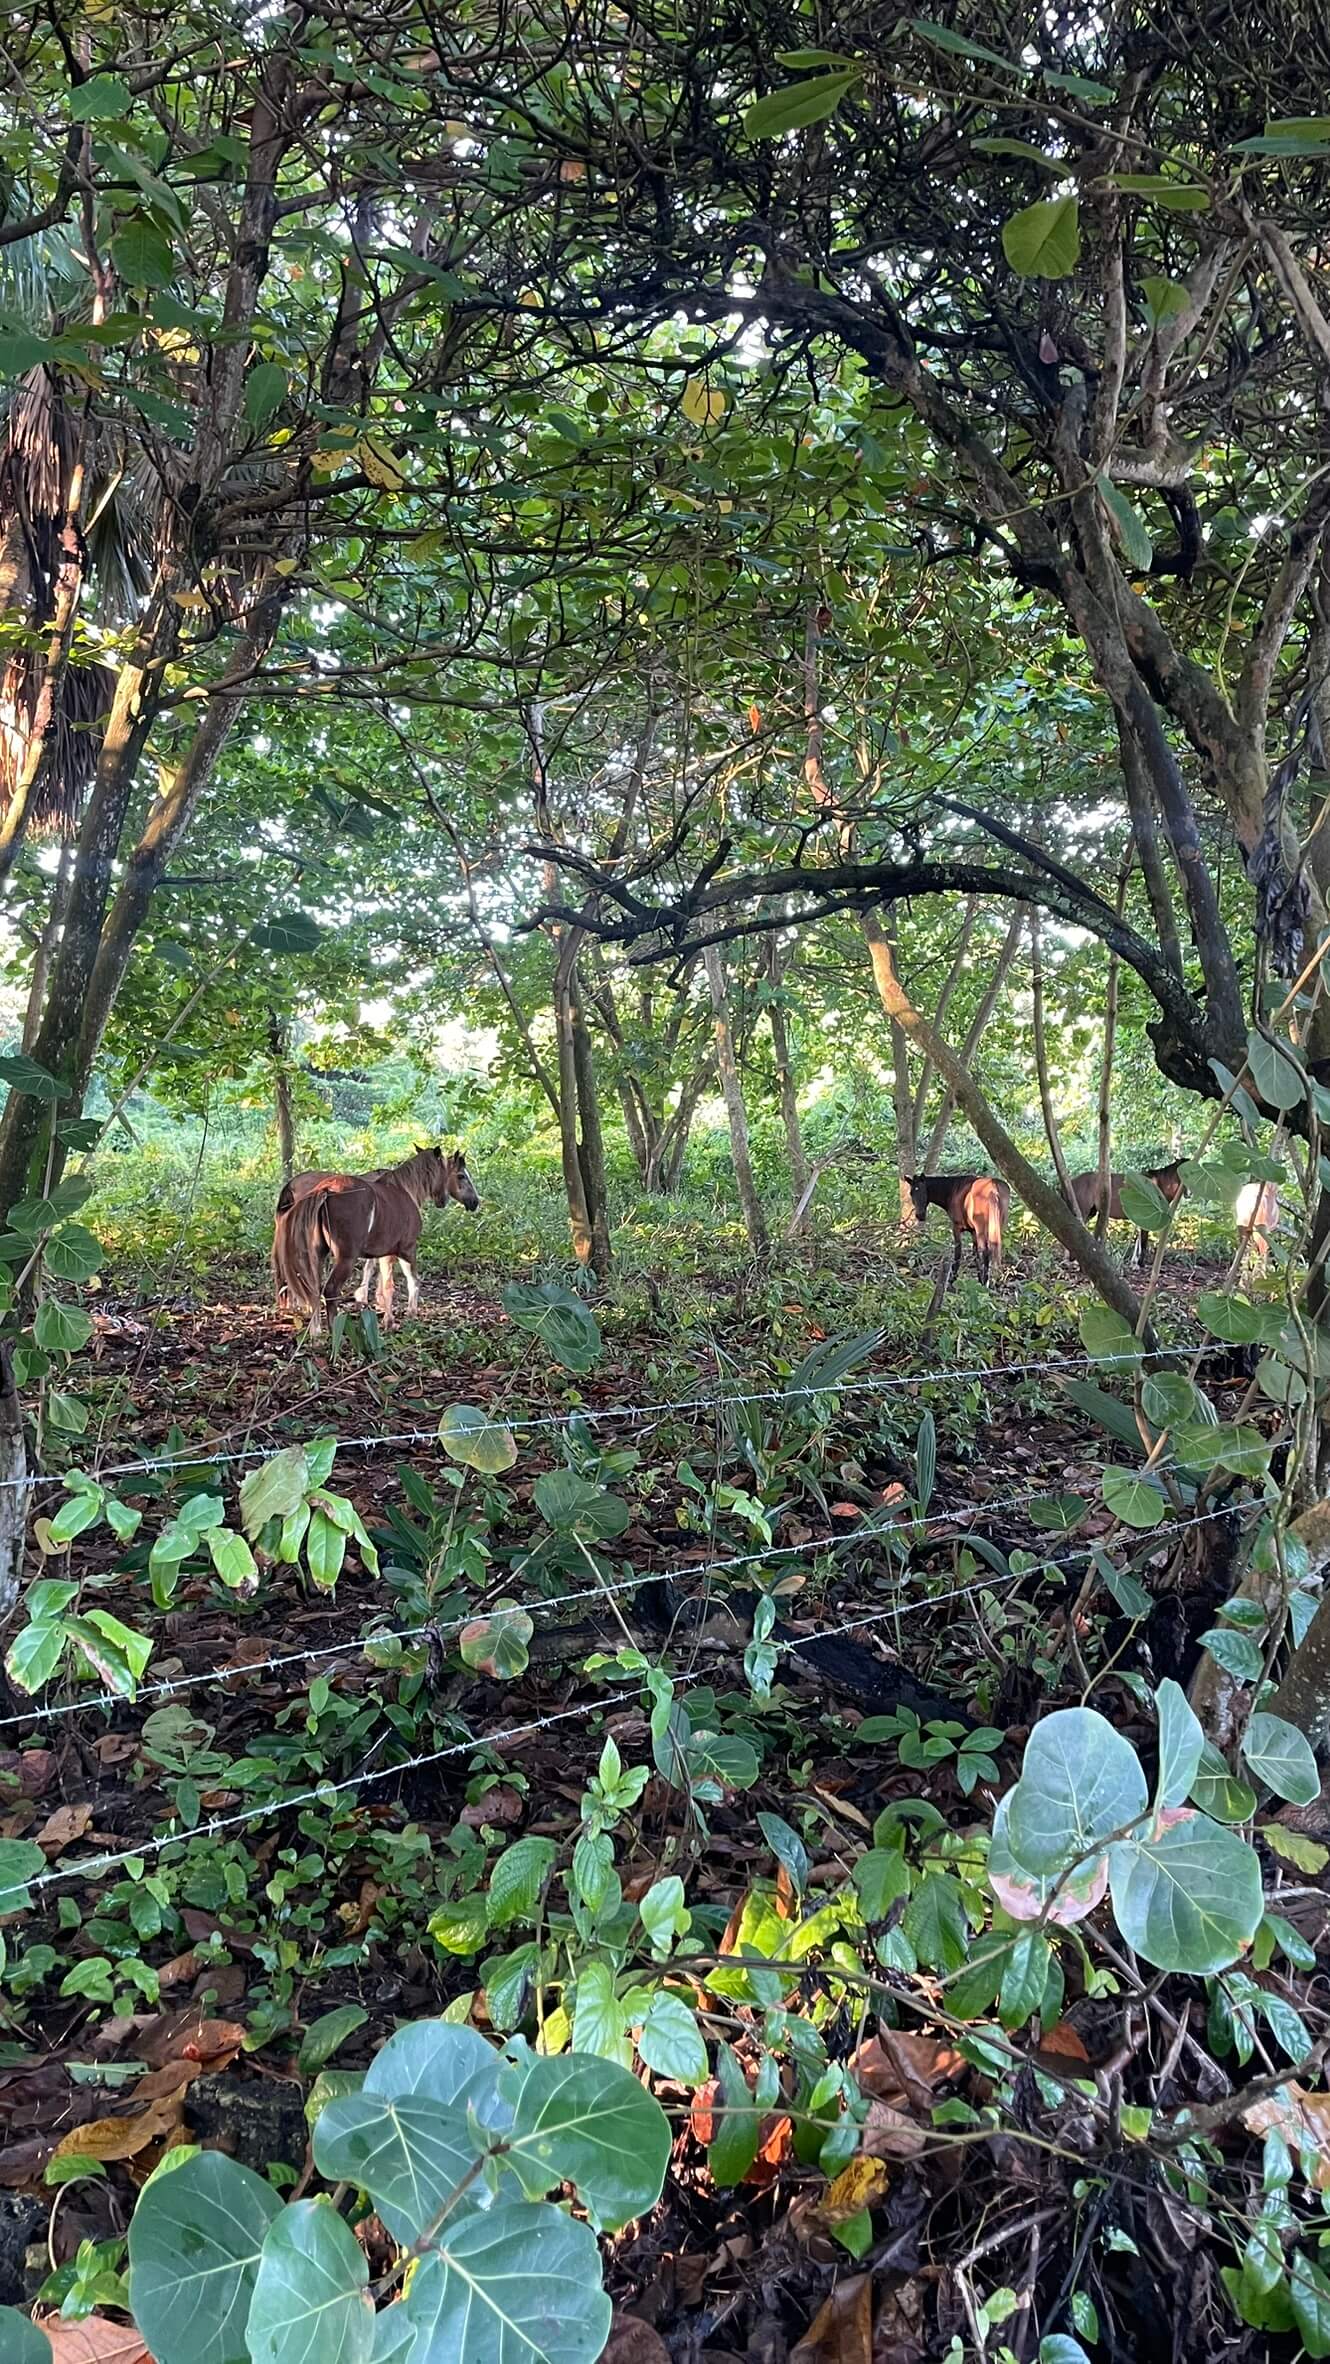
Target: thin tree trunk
[(1104, 1153), (732, 1088), (68, 586), (1043, 1202), (591, 1143), (1140, 804), (786, 1087), (49, 938), (13, 1493), (677, 1127), (580, 1222), (1051, 1130), (279, 1051), (902, 1099), (939, 1019), (974, 1036)]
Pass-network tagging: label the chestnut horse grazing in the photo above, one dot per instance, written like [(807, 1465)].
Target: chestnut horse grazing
[(1085, 1197), (349, 1216), (975, 1203), (1255, 1215)]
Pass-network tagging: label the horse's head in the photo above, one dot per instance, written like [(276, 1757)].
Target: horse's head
[(1168, 1179), (454, 1181), (918, 1186)]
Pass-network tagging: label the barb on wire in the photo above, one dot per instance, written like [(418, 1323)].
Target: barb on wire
[(95, 1866), (880, 1383)]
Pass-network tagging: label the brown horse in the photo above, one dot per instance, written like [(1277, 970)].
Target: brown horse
[(348, 1216), (1085, 1197), (973, 1202)]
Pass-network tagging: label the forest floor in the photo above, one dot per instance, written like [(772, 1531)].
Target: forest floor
[(213, 1987)]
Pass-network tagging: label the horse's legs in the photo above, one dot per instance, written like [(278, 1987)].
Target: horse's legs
[(412, 1285), (362, 1293), (343, 1266), (1142, 1243), (383, 1300), (980, 1257)]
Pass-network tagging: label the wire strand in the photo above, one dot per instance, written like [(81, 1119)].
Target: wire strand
[(149, 1849)]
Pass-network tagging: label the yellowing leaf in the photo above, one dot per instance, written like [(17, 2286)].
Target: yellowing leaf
[(379, 464), (704, 405), (190, 599), (285, 566), (1302, 2118), (1308, 1855), (860, 2185)]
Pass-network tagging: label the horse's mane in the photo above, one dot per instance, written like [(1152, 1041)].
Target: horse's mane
[(417, 1174)]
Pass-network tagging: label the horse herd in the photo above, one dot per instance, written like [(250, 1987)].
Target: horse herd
[(979, 1204), (327, 1223)]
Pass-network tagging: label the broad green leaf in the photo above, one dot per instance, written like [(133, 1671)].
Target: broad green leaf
[(274, 1490), (936, 1924), (1237, 1653), (589, 2122), (880, 1876), (1134, 1499), (1279, 1755), (469, 1435), (516, 1879), (1080, 1782), (408, 2154), (1109, 1411), (290, 932), (142, 253), (573, 1506), (311, 2302), (942, 37), (1181, 1742), (1148, 1206), (1167, 299), (1108, 1337), (67, 1412), (518, 2286), (20, 1862), (1170, 1396), (1275, 1072), (496, 1644), (788, 1849), (1058, 1514), (733, 2146), (80, 1511), (72, 1253), (22, 2342), (598, 2019), (327, 2035), (1188, 1896), (1058, 2347), (1022, 148), (195, 2239), (325, 1549), (1043, 241), (1131, 1596), (670, 2041), (799, 103), (1174, 196), (61, 1329), (1024, 1978), (24, 1075), (663, 1913), (1201, 1445), (431, 2059), (265, 391), (34, 1654), (567, 1327), (1310, 2293), (102, 96), (231, 1557)]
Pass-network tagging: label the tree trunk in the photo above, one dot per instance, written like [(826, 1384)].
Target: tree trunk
[(786, 1087), (732, 1088), (1104, 1151), (975, 1035), (902, 1099), (279, 1051), (1043, 1202), (591, 1144), (949, 983), (50, 937), (1051, 1131), (67, 589), (673, 1144), (580, 1216), (13, 1493)]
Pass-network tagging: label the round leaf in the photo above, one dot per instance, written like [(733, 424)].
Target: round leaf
[(1132, 1498), (586, 2121), (496, 1644), (468, 1435), (1080, 1781), (407, 2154), (311, 2302), (1275, 1073), (142, 253), (1278, 1754), (670, 2041), (1108, 1337), (1188, 1897), (21, 2342), (195, 2240), (519, 2286)]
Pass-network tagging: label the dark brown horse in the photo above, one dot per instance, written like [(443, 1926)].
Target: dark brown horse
[(349, 1216), (973, 1202), (1085, 1197)]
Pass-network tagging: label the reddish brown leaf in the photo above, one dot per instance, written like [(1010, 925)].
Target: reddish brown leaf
[(62, 1828), (703, 2118), (94, 2341), (898, 2067), (119, 2138), (500, 1805), (841, 2332)]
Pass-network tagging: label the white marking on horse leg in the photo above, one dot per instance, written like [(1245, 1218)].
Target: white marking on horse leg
[(384, 1295), (412, 1285), (362, 1293)]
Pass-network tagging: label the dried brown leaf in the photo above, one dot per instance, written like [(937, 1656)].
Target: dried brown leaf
[(841, 2332), (62, 1828), (94, 2341), (1303, 2118), (119, 2138)]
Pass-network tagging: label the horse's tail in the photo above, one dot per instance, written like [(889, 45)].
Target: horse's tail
[(297, 1248), (995, 1209)]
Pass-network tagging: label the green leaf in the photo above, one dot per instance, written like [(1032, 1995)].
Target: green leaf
[(1109, 1411), (519, 2286), (1167, 299), (34, 1654), (1237, 1653), (311, 2302), (290, 931), (142, 253), (1138, 550), (1080, 1781), (1134, 1499), (1310, 2293), (942, 37), (517, 1877), (599, 2026), (880, 1876), (408, 2153), (73, 1253), (1275, 1072), (61, 1329), (444, 2064), (20, 1861), (935, 1922), (1024, 1978), (24, 1075), (799, 103), (325, 1549), (1058, 2347), (104, 95), (80, 1511), (1188, 1896), (1174, 196), (1131, 1597), (1181, 1743), (573, 1506), (1143, 1202), (1169, 1396), (231, 1557), (327, 2035), (274, 1490), (569, 1329), (469, 1435), (589, 2122), (788, 1849), (1279, 1755), (1043, 241), (670, 2041), (1022, 148), (265, 391), (733, 2146), (496, 1644), (195, 2239)]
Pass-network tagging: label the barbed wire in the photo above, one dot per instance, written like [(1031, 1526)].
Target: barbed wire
[(148, 1850), (865, 1531), (199, 1457)]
